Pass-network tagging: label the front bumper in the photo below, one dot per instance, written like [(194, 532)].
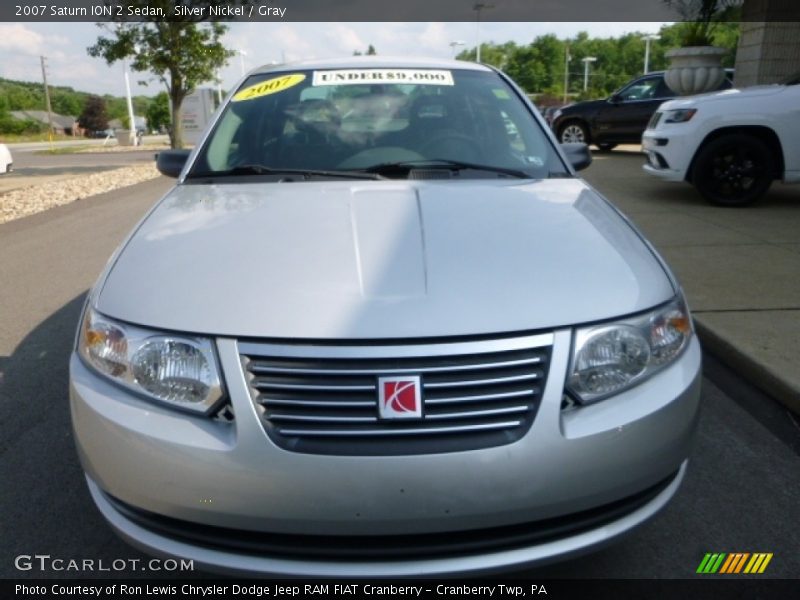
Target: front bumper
[(231, 476), (168, 541), (669, 153)]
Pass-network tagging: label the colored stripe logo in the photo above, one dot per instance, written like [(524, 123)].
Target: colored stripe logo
[(734, 562)]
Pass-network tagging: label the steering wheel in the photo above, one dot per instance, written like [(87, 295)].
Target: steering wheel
[(450, 144)]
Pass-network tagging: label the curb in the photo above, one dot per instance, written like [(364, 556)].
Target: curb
[(758, 373)]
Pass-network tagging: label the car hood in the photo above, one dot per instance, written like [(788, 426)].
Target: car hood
[(724, 95), (375, 259)]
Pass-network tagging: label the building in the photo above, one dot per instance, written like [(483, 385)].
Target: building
[(769, 43), (62, 124)]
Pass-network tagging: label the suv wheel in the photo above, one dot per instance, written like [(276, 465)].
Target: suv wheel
[(573, 132), (733, 170)]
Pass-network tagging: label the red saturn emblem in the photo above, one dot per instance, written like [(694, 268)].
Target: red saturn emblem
[(399, 397)]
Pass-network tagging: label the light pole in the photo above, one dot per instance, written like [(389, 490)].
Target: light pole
[(586, 61), (456, 44), (567, 58), (242, 54), (479, 6), (128, 97), (647, 39), (132, 131)]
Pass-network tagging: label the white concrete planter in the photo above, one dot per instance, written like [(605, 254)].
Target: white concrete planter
[(695, 70), (124, 137)]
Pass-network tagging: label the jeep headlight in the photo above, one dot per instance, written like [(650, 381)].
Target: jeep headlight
[(174, 369), (680, 115), (612, 357)]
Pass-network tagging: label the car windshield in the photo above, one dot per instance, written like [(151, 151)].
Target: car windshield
[(382, 122)]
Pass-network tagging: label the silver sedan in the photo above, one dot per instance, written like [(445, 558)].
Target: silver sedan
[(375, 330)]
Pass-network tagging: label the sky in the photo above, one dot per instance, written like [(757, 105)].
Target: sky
[(64, 45)]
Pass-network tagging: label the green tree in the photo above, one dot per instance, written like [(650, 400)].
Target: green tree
[(66, 102), (181, 53), (24, 98), (538, 67), (158, 112), (94, 116), (370, 51)]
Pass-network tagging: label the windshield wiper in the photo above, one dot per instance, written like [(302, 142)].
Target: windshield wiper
[(436, 163), (255, 169)]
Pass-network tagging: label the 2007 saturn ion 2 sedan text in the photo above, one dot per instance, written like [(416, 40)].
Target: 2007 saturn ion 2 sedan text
[(380, 328)]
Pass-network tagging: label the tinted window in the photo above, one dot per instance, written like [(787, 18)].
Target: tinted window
[(641, 89)]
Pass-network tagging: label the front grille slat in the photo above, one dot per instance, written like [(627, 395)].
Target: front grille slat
[(479, 398), (399, 432), (473, 414), (314, 387), (324, 399), (257, 369), (322, 419), (496, 380), (317, 403)]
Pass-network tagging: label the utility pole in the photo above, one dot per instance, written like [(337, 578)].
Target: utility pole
[(47, 98), (567, 58)]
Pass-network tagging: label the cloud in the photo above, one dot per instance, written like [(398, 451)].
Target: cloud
[(344, 39), (291, 44), (16, 37), (76, 72)]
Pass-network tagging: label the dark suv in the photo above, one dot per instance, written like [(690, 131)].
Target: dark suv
[(621, 118)]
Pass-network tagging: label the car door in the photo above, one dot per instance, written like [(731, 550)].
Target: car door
[(627, 112)]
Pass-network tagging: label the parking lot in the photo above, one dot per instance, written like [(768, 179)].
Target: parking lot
[(741, 270)]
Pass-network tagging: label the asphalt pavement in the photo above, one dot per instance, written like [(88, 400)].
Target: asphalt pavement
[(741, 494)]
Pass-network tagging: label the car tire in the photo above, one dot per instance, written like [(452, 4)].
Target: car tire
[(606, 147), (573, 132), (733, 170)]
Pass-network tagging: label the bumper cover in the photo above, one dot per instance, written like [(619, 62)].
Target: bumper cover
[(556, 540), (221, 475)]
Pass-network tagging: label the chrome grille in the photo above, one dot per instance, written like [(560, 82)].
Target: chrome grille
[(324, 399)]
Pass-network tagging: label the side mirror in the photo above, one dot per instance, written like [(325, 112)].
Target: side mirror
[(578, 155), (615, 99), (171, 162)]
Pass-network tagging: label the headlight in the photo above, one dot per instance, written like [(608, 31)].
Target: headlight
[(609, 358), (178, 370), (556, 114), (680, 115)]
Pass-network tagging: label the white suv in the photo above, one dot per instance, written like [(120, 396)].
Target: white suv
[(730, 145)]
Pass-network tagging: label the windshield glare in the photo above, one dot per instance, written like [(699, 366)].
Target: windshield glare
[(357, 119)]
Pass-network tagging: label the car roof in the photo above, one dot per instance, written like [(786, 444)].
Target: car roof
[(372, 62)]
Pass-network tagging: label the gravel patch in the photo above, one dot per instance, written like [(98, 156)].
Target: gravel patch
[(33, 199)]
